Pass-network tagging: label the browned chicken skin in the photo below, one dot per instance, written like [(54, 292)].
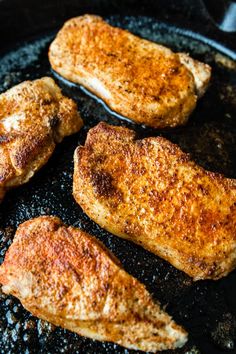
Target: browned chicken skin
[(148, 191), (138, 79), (65, 276), (34, 116)]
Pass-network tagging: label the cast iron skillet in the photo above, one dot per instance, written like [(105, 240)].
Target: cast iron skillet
[(206, 309)]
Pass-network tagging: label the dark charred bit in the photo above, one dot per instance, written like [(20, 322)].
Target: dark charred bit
[(54, 121), (47, 101), (174, 70), (99, 159), (103, 183), (5, 138)]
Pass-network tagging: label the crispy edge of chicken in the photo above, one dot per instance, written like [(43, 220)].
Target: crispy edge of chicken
[(150, 192), (34, 117), (141, 80), (65, 276)]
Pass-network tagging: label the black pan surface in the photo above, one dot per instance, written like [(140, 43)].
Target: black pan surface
[(206, 309)]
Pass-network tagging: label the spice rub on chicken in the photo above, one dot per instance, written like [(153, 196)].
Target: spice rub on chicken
[(141, 80), (65, 276), (34, 116), (150, 192)]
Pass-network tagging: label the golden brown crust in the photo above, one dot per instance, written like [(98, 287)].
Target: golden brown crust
[(65, 276), (141, 80), (148, 191), (34, 116)]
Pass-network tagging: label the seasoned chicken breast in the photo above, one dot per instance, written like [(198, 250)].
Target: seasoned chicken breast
[(34, 116), (150, 192), (65, 276), (136, 78)]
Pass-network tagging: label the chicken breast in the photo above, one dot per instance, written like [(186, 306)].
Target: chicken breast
[(34, 116), (65, 276), (150, 192), (139, 79)]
